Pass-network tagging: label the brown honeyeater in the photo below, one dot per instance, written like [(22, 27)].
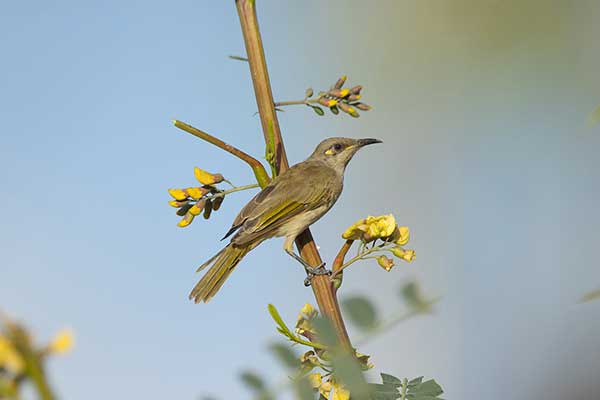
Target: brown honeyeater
[(285, 207)]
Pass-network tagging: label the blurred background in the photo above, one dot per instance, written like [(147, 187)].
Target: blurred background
[(482, 106)]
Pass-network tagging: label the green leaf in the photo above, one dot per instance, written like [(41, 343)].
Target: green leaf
[(590, 296), (384, 392), (325, 332), (282, 327), (361, 311), (347, 369), (428, 390), (303, 389), (334, 110), (413, 298), (285, 355), (318, 110), (388, 379), (253, 381), (239, 58)]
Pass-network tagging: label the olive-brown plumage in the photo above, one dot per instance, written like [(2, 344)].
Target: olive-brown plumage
[(286, 207)]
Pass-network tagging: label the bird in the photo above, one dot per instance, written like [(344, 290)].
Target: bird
[(286, 207)]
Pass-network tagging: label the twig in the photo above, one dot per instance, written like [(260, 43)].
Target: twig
[(322, 286), (235, 189), (259, 170)]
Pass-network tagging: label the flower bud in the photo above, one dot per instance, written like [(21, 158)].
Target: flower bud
[(340, 82), (177, 203), (385, 262), (327, 102), (356, 89), (196, 193), (186, 220), (348, 109), (178, 194), (206, 178), (184, 209), (339, 93), (197, 208), (406, 255), (362, 106), (207, 209), (354, 97), (216, 202)]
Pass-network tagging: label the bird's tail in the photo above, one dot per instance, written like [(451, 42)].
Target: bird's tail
[(223, 264)]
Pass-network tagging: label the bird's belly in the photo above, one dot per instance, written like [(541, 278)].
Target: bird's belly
[(300, 222)]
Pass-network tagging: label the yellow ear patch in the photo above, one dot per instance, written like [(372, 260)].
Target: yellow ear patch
[(329, 152)]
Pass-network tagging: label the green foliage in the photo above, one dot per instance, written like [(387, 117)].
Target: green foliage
[(256, 384), (393, 388), (285, 331), (590, 296), (414, 298), (361, 311), (284, 354)]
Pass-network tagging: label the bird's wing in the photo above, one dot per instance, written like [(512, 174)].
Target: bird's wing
[(301, 188)]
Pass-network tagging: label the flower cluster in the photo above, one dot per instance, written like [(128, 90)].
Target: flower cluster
[(18, 352), (338, 98), (324, 382), (384, 228), (192, 201)]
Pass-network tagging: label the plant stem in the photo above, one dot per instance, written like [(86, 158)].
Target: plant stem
[(322, 287), (259, 170), (353, 260), (295, 102), (235, 189), (404, 389)]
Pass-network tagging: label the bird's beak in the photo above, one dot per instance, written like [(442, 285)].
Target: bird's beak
[(364, 142)]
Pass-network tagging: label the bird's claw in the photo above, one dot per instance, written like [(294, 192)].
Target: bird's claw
[(315, 271)]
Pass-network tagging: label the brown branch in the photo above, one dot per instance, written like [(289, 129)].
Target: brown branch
[(322, 286), (262, 177)]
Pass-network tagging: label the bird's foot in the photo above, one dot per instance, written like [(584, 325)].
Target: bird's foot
[(315, 271)]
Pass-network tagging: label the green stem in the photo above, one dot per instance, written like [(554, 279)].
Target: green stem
[(235, 189), (404, 389), (352, 261), (260, 173), (295, 102)]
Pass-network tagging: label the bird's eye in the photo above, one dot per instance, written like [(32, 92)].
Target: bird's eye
[(337, 147)]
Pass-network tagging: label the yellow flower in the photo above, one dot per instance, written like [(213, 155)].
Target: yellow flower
[(303, 324), (315, 380), (404, 235), (62, 342), (206, 178), (325, 389), (371, 228), (340, 393), (406, 255), (10, 359)]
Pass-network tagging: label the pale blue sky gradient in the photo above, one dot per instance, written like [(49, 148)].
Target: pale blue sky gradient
[(482, 108)]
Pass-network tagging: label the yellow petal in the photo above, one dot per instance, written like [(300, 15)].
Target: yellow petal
[(409, 255), (206, 178), (10, 359), (195, 193), (315, 380), (62, 342), (178, 194), (340, 393), (385, 262), (325, 389), (195, 210), (404, 235)]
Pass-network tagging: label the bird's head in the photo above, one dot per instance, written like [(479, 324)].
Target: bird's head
[(338, 151)]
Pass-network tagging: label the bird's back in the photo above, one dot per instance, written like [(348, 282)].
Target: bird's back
[(302, 193)]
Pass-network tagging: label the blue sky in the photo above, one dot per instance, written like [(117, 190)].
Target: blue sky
[(487, 158)]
